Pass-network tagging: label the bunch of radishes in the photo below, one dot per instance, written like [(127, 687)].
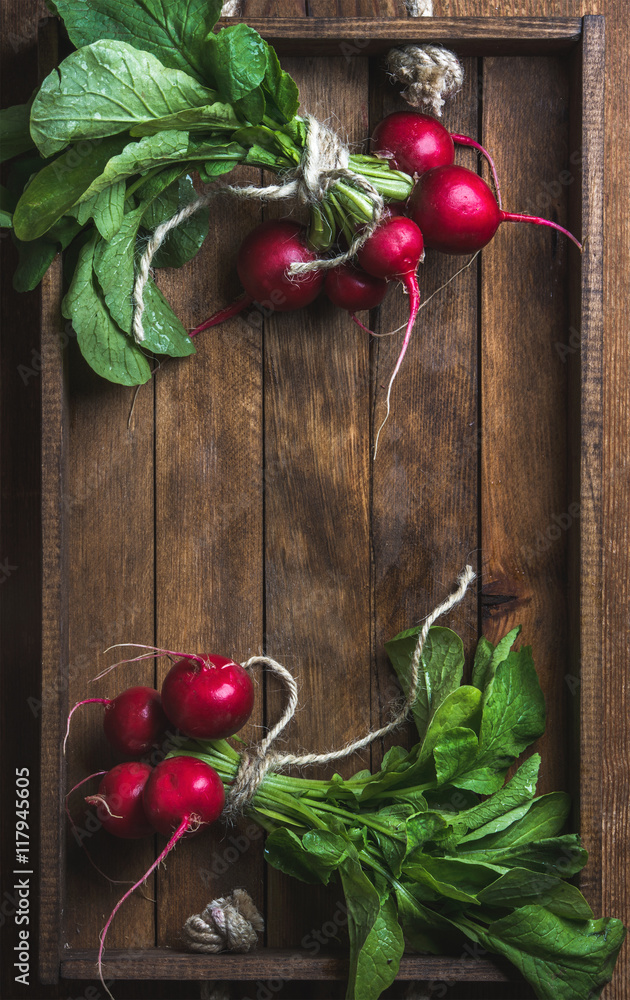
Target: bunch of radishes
[(204, 697), (451, 209)]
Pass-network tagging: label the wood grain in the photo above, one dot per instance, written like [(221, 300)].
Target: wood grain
[(585, 423), (208, 530), (616, 592), (425, 476), (277, 964), (479, 36), (317, 551)]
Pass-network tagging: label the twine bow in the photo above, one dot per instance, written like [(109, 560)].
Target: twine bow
[(262, 758), (324, 161)]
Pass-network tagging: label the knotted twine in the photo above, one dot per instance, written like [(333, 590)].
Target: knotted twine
[(262, 758), (430, 73), (231, 923), (325, 161)]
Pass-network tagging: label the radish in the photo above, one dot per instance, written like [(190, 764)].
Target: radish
[(263, 262), (181, 795), (394, 251), (208, 697), (351, 288), (458, 213), (133, 721), (119, 801), (416, 143)]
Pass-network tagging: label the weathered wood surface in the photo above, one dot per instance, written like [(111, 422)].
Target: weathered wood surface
[(359, 36), (275, 963), (20, 426)]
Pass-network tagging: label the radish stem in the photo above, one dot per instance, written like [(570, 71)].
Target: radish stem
[(223, 314), (411, 284), (464, 140), (87, 701), (517, 217)]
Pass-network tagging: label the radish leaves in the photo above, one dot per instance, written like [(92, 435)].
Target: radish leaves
[(418, 855), (79, 100), (174, 32)]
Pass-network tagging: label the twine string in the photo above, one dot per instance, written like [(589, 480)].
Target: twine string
[(429, 72), (325, 161), (256, 763)]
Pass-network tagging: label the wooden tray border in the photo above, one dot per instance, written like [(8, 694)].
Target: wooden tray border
[(584, 39)]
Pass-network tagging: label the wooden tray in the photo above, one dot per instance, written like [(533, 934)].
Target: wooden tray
[(238, 508)]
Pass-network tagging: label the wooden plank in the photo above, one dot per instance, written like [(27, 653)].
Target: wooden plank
[(346, 9), (292, 36), (108, 502), (586, 373), (274, 963), (52, 882), (52, 885), (425, 476), (317, 548), (525, 508), (209, 588)]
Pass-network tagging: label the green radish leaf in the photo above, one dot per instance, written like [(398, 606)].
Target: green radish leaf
[(258, 156), (104, 346), (237, 60), (8, 202), (138, 158), (174, 32), (454, 754), (519, 790), (483, 659), (460, 709), (379, 958), (454, 879), (562, 856), (212, 169), (36, 256), (281, 88), (284, 850), (107, 208), (114, 268), (183, 243), (520, 887), (107, 88), (217, 116), (252, 107), (424, 929), (562, 959), (544, 817), (15, 136), (34, 260), (441, 669), (513, 717), (424, 827), (364, 905), (58, 186)]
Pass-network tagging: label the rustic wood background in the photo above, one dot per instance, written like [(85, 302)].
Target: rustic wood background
[(169, 426)]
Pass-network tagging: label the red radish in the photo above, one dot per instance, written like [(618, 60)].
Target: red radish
[(394, 250), (183, 788), (208, 697), (263, 262), (353, 289), (119, 801), (133, 721), (181, 795), (417, 143), (223, 314), (458, 213)]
